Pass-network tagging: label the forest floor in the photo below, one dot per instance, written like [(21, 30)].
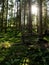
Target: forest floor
[(13, 52)]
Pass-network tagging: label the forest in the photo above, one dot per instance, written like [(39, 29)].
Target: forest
[(24, 32)]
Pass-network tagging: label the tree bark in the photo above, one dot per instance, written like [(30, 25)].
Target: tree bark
[(30, 20), (40, 19), (2, 15), (6, 16)]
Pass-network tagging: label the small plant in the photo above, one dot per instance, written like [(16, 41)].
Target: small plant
[(6, 44)]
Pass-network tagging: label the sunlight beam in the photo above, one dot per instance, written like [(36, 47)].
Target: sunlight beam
[(34, 9)]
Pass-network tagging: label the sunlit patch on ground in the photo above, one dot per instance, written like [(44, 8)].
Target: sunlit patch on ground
[(5, 44)]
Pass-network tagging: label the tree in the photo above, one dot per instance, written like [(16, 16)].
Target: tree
[(6, 11), (45, 15), (2, 14), (40, 19), (30, 20)]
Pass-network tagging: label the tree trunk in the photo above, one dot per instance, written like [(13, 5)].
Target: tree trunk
[(40, 19), (30, 20), (2, 15), (6, 16), (45, 17), (20, 17)]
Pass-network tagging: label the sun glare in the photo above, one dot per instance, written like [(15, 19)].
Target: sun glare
[(34, 9)]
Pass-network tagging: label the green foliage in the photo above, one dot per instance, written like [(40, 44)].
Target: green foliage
[(20, 54)]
